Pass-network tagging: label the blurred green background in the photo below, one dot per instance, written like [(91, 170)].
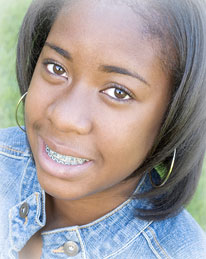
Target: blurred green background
[(11, 15)]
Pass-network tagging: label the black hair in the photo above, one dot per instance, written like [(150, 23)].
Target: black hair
[(34, 30), (180, 27)]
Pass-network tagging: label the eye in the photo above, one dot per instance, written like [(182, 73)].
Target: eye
[(118, 93), (56, 70)]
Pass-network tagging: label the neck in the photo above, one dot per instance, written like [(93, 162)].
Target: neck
[(64, 213)]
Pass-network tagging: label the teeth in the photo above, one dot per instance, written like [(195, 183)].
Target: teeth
[(65, 160)]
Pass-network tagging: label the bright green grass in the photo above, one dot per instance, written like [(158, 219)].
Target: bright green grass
[(11, 13)]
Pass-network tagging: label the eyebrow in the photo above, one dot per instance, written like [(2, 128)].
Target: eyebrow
[(123, 71), (104, 68), (59, 50)]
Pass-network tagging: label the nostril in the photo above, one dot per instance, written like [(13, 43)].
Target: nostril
[(72, 109), (66, 119)]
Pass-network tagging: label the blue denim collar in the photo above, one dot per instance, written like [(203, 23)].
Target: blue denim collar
[(21, 229), (122, 219), (118, 234), (115, 230)]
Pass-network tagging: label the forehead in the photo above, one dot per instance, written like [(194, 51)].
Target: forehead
[(98, 10), (112, 26), (97, 16)]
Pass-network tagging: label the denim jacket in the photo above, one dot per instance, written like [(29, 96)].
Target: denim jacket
[(118, 234)]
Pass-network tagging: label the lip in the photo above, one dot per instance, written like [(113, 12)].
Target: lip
[(51, 167), (63, 150)]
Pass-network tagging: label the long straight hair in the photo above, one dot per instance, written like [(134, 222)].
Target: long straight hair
[(180, 27)]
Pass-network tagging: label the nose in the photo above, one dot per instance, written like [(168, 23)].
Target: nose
[(71, 112)]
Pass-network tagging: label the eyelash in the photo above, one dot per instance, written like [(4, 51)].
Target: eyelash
[(53, 63), (121, 88), (113, 86)]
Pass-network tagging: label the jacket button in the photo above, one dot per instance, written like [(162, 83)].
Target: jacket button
[(71, 248), (24, 210)]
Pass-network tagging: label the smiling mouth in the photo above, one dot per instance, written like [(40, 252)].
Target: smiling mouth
[(65, 160)]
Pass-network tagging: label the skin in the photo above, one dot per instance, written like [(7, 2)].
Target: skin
[(78, 111)]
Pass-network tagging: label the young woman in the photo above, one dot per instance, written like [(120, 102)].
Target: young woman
[(114, 135)]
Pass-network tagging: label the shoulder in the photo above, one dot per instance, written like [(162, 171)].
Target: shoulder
[(14, 155), (14, 142), (179, 237), (16, 168)]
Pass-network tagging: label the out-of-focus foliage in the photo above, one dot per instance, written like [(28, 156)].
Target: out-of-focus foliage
[(11, 15)]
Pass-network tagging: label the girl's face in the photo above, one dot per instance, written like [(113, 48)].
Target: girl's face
[(98, 94)]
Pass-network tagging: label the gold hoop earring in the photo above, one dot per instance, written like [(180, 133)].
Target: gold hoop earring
[(16, 112), (162, 172)]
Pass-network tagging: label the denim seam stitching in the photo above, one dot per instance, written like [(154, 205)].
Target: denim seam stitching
[(43, 207), (128, 243), (14, 150), (57, 231), (158, 244), (22, 179), (81, 243), (11, 149), (12, 156), (60, 250), (150, 245), (38, 201)]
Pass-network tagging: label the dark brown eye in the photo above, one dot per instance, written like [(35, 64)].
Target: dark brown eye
[(56, 70), (118, 94)]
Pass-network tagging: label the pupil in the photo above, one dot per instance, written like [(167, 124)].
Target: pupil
[(120, 93), (58, 70)]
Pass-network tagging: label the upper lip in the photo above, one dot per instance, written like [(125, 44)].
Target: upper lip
[(64, 150)]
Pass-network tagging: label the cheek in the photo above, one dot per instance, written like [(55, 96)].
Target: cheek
[(128, 138), (35, 109), (36, 101)]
